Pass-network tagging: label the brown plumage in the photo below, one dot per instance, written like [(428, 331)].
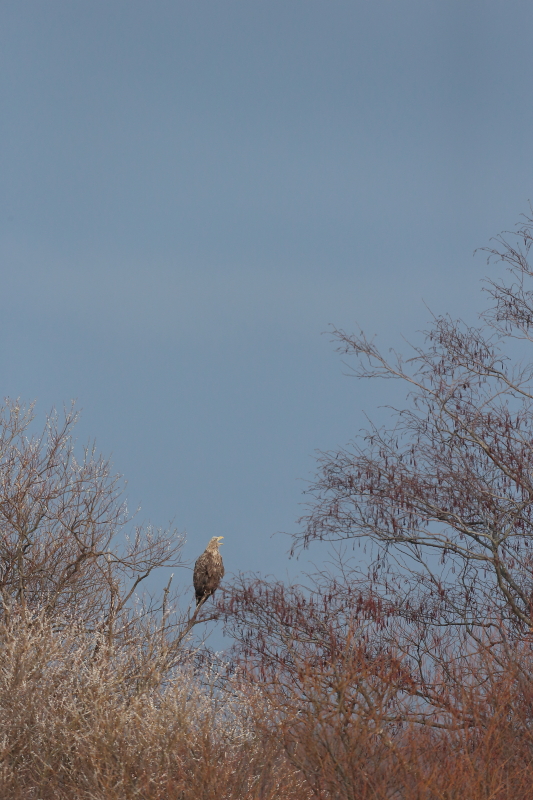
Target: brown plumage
[(208, 571)]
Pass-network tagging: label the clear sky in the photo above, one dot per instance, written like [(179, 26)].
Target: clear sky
[(191, 192)]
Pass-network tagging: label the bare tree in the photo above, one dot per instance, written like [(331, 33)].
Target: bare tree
[(437, 626), (446, 492), (68, 547)]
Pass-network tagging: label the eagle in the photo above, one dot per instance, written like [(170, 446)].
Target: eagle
[(208, 571)]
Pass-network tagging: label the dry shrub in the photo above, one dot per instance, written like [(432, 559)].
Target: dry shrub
[(352, 747), (362, 719), (331, 695), (80, 723), (488, 756), (337, 721)]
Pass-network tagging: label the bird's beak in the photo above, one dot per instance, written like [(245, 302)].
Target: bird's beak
[(220, 539)]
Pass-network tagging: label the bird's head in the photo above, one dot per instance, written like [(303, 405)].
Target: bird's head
[(215, 543)]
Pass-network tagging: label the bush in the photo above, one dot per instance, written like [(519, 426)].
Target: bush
[(84, 722)]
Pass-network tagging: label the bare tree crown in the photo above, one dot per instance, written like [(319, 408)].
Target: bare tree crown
[(67, 545), (454, 475)]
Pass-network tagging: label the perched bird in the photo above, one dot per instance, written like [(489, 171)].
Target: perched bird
[(208, 571)]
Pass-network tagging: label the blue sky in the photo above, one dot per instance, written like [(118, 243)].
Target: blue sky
[(192, 192)]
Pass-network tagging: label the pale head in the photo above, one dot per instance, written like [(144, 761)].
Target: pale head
[(214, 543)]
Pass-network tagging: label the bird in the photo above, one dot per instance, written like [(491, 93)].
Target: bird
[(208, 571)]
